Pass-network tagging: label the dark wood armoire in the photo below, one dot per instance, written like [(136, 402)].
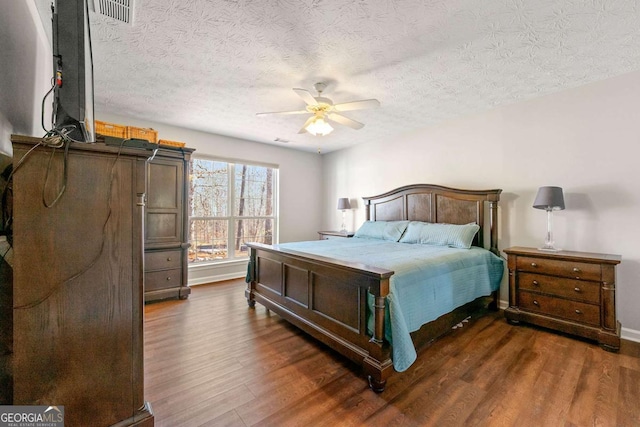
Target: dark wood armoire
[(166, 225), (78, 281)]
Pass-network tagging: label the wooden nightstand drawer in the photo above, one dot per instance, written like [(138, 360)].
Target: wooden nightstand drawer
[(573, 269), (558, 307), (579, 290)]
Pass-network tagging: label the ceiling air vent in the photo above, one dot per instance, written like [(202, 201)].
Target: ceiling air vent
[(120, 10)]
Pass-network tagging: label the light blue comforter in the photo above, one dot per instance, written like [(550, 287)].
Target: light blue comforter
[(429, 281)]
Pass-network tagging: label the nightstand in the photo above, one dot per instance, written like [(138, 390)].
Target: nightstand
[(324, 235), (571, 292)]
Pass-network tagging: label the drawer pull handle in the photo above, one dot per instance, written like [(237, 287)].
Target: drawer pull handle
[(577, 289), (168, 258), (535, 302), (578, 312), (533, 264), (576, 269), (168, 277), (535, 283)]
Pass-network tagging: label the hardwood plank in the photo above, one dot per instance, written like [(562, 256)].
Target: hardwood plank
[(510, 387), (439, 374), (482, 331), (313, 408), (554, 388), (630, 355), (316, 367), (211, 360), (287, 393), (595, 398), (193, 381), (629, 389), (456, 404), (228, 419), (508, 352), (207, 409)]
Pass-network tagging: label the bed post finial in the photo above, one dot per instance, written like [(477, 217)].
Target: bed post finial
[(493, 226), (367, 209)]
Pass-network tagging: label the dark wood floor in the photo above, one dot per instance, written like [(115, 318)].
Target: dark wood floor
[(210, 360)]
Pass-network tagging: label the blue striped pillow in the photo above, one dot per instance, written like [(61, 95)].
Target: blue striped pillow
[(453, 235), (382, 230)]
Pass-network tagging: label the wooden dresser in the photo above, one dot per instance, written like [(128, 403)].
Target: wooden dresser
[(572, 292), (76, 302), (166, 225)]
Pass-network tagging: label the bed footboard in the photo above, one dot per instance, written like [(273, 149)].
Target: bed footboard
[(327, 299)]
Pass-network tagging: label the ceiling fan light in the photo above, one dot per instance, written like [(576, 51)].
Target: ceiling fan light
[(319, 127)]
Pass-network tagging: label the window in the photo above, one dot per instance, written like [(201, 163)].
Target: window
[(231, 204)]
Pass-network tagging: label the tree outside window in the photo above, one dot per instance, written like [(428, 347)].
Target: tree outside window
[(231, 204)]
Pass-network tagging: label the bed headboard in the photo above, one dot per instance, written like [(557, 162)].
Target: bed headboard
[(435, 203)]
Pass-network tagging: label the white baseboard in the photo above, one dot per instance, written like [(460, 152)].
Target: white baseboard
[(208, 273), (214, 278), (630, 334)]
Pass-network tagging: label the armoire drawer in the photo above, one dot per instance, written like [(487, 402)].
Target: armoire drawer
[(162, 260), (162, 279)]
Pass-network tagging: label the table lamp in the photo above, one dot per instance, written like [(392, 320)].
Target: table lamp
[(549, 199), (343, 205)]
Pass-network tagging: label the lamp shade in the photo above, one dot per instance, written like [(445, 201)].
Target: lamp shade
[(549, 198), (343, 203)]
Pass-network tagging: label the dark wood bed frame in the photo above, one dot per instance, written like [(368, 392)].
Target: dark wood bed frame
[(327, 298)]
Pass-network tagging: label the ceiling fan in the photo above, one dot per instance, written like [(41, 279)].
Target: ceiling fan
[(323, 109)]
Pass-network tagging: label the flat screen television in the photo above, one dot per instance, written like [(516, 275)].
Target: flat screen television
[(73, 105)]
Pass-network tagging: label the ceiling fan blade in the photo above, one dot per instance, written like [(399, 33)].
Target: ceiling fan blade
[(304, 126), (283, 112), (357, 105), (306, 96), (345, 121)]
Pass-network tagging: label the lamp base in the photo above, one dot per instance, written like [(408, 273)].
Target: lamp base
[(549, 249)]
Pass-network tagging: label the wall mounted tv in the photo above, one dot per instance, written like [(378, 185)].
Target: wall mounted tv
[(73, 70)]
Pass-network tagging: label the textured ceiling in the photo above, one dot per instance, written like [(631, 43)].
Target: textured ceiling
[(211, 65)]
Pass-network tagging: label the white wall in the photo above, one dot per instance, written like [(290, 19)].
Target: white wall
[(25, 71), (585, 140), (300, 184)]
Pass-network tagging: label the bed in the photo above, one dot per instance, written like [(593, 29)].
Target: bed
[(342, 300)]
